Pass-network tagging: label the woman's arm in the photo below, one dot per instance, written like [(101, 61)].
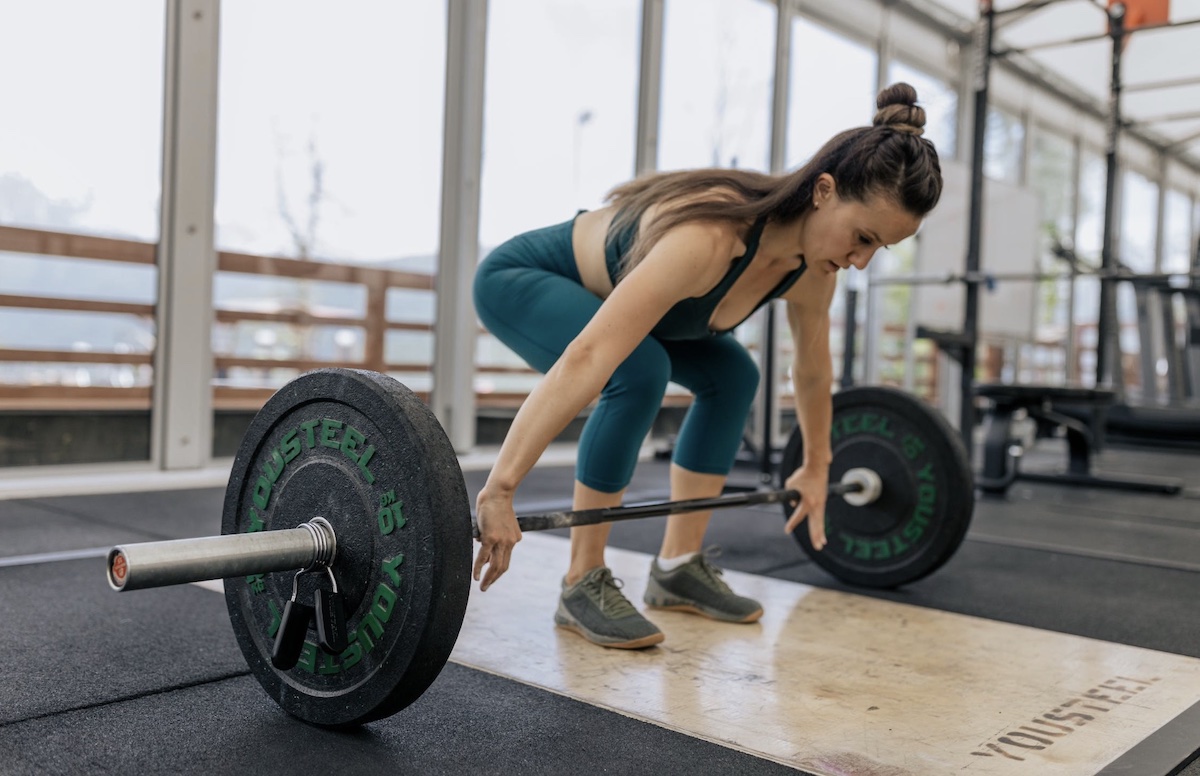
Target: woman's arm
[(684, 263), (812, 381)]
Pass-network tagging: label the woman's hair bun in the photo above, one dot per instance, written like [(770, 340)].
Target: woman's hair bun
[(898, 109)]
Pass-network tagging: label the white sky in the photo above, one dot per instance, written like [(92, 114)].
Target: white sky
[(366, 85), (81, 93)]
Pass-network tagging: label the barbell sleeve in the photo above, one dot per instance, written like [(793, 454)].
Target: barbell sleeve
[(180, 561)]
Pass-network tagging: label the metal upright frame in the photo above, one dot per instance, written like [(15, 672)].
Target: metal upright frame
[(1107, 339), (1108, 345)]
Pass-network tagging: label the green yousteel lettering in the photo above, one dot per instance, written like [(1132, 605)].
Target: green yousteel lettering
[(389, 566), (353, 653), (327, 665), (289, 446), (350, 442), (387, 521), (368, 631), (329, 429), (385, 599), (276, 618), (927, 495), (838, 430), (262, 493), (273, 466), (914, 529), (363, 460), (873, 423), (913, 446), (391, 518), (308, 657), (309, 437)]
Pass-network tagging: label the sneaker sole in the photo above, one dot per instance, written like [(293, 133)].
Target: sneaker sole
[(658, 597), (693, 609), (642, 643), (564, 620)]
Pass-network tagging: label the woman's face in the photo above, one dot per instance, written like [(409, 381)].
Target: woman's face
[(841, 233)]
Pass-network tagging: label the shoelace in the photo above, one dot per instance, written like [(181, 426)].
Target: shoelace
[(705, 562), (613, 602)]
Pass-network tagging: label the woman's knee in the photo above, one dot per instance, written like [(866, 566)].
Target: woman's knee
[(733, 381), (642, 377), (743, 382)]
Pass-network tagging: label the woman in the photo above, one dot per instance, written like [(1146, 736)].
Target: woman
[(616, 302)]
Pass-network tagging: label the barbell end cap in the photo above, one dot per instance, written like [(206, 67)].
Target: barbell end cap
[(117, 569), (871, 486)]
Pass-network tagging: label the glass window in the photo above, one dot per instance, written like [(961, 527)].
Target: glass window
[(718, 68), (559, 121), (58, 169), (329, 155), (825, 98), (940, 101), (1089, 235), (338, 155), (1139, 222), (1177, 248), (1135, 250), (1052, 177), (80, 176), (1002, 146), (1177, 257), (559, 131)]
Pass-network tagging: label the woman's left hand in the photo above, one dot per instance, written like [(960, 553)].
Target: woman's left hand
[(812, 482)]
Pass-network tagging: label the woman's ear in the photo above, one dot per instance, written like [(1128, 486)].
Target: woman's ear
[(825, 188)]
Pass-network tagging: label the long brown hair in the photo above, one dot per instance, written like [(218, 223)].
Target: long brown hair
[(888, 158)]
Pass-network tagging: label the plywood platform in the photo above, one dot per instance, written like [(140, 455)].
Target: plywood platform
[(836, 683)]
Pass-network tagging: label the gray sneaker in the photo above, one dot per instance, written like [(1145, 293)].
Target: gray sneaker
[(697, 587), (595, 608)]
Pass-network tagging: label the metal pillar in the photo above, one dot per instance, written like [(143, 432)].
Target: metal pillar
[(983, 54), (1108, 350), (649, 87), (187, 260), (453, 398)]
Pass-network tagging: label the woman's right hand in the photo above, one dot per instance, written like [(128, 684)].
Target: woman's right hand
[(498, 532), (812, 483)]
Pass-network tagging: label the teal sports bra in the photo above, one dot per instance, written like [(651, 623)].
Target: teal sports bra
[(689, 318)]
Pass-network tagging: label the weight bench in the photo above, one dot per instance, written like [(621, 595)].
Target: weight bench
[(1053, 408)]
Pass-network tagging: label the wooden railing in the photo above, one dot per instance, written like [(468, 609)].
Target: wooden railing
[(375, 281)]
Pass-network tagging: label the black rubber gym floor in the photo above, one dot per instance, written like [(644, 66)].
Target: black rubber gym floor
[(153, 681)]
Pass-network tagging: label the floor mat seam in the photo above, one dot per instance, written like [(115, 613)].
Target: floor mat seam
[(62, 512), (126, 698)]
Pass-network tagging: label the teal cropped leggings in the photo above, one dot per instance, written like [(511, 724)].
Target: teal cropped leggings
[(529, 295)]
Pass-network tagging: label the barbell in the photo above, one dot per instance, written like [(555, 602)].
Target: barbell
[(345, 481)]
